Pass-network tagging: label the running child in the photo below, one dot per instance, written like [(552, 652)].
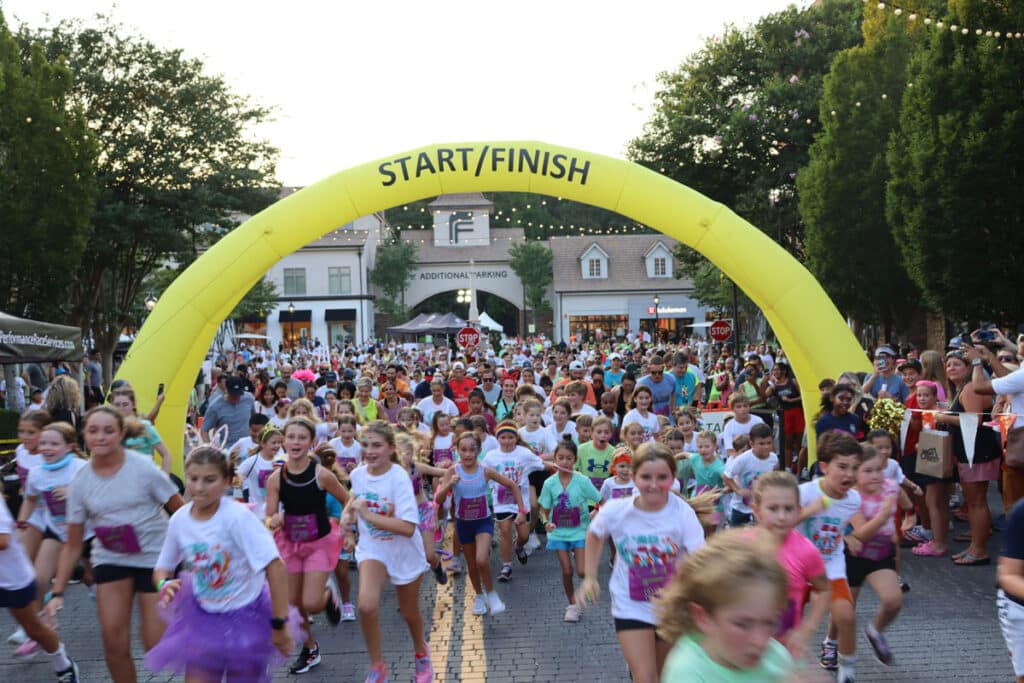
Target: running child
[(595, 456), (407, 448), (621, 484), (584, 428), (741, 423), (257, 468), (349, 450), (542, 442), (653, 533), (480, 428), (308, 540), (474, 526), (742, 471), (234, 591), (389, 549), (641, 413), (565, 503), (339, 607), (561, 425), (27, 457), (720, 611), (708, 470)]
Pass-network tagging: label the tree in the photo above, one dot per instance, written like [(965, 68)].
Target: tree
[(954, 199), (850, 246), (177, 162), (532, 263), (392, 272), (49, 188)]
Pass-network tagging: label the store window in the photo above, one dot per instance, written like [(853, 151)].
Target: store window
[(339, 280), (294, 281), (592, 326)]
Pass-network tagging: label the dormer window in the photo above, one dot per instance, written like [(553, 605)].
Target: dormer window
[(594, 267), (594, 263), (658, 260)]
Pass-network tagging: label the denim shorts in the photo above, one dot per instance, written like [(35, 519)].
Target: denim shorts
[(565, 545)]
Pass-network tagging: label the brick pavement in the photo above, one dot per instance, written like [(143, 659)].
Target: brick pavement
[(948, 632)]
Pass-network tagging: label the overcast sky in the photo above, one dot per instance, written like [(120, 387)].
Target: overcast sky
[(352, 82)]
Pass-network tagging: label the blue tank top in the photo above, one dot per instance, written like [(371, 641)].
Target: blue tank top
[(471, 495)]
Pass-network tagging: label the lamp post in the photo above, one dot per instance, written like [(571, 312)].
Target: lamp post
[(150, 302), (291, 324), (464, 296), (657, 317)]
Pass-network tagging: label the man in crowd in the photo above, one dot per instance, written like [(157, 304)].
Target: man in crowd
[(233, 410), (663, 389), (294, 388)]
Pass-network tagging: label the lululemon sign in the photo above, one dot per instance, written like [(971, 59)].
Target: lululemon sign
[(720, 330), (468, 337)]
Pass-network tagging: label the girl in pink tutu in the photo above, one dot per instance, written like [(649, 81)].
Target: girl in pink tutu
[(230, 560), (308, 539)]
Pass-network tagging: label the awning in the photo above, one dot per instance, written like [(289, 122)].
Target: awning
[(296, 317), (30, 341), (336, 314)]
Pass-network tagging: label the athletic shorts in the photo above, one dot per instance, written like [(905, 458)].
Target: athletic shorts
[(142, 577), (320, 555), (468, 529), (859, 568), (565, 545), (18, 599), (737, 518), (537, 480), (841, 590), (793, 421), (49, 533), (1011, 621), (634, 625), (502, 516)]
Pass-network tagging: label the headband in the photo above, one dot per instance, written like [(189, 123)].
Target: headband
[(268, 431), (506, 429), (622, 456)]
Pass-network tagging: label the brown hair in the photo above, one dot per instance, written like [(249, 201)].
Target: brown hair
[(652, 451), (385, 431), (303, 422), (68, 433), (836, 444), (209, 455), (38, 418), (775, 480)]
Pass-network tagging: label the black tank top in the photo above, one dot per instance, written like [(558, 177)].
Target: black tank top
[(301, 495)]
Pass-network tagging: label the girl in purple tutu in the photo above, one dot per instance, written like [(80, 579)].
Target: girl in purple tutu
[(230, 560), (307, 538)]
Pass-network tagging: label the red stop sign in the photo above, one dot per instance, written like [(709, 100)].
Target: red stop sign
[(720, 330), (468, 337)]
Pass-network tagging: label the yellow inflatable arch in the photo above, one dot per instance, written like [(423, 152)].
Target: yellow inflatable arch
[(175, 338)]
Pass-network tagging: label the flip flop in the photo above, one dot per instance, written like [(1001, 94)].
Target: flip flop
[(927, 550), (972, 560)]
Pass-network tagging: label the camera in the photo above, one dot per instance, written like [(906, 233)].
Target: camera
[(985, 335)]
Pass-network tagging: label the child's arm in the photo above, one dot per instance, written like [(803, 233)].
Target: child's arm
[(904, 502), (864, 529), (815, 507), (1010, 576), (330, 483), (28, 506), (912, 487), (273, 520), (545, 519), (165, 457), (821, 599), (451, 477), (68, 560), (590, 589), (391, 524), (430, 470)]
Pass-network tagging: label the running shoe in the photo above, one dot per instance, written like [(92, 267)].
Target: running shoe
[(494, 603), (881, 648), (479, 605), (18, 637), (506, 573), (918, 534), (829, 656), (333, 606), (27, 650), (904, 586), (424, 668), (455, 566), (378, 674), (69, 675), (572, 613), (306, 660), (521, 555), (348, 611), (440, 575), (533, 542)]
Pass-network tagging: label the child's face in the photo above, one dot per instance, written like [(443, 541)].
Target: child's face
[(28, 435), (643, 400), (297, 441), (883, 446), (560, 414), (575, 398), (507, 441), (476, 405), (871, 474), (468, 452), (654, 481), (347, 432), (206, 484), (762, 446), (686, 424), (634, 436), (601, 434), (52, 445), (910, 376), (738, 634), (376, 450), (583, 433), (565, 459), (778, 511), (608, 403), (255, 431), (622, 471), (706, 448), (674, 444), (444, 426), (841, 473), (927, 397), (741, 410), (533, 418)]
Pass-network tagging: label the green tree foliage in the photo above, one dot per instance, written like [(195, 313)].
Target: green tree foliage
[(850, 246), (177, 162), (954, 198), (392, 273), (256, 302), (47, 185), (532, 263)]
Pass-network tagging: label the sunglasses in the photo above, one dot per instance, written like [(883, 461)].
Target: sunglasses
[(959, 355), (1007, 359), (488, 379)]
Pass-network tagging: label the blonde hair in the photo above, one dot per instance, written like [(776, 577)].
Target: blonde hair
[(708, 435), (63, 394), (406, 444), (308, 405), (383, 430), (775, 480), (714, 577)]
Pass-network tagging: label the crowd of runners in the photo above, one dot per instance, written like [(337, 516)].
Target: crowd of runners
[(315, 478)]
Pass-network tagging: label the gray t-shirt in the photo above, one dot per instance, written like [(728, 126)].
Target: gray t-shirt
[(234, 415), (125, 508), (95, 374), (295, 388)]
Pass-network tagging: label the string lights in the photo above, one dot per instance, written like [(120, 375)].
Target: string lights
[(913, 16)]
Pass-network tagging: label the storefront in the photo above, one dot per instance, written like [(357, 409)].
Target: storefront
[(341, 326)]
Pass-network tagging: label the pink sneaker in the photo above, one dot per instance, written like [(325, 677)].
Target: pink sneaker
[(27, 650), (378, 674), (424, 668)]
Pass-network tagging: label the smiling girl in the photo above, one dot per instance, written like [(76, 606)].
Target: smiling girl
[(641, 413)]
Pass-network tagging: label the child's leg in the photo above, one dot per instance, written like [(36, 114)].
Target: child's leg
[(456, 545), (483, 561), (639, 649), (295, 600), (505, 540), (344, 583), (469, 553), (886, 585), (314, 592), (114, 609), (30, 538), (523, 533), (845, 620), (151, 626), (28, 618), (46, 564), (409, 606), (566, 566), (372, 577), (429, 547), (579, 557)]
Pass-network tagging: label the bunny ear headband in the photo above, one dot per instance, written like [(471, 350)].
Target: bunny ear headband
[(194, 439)]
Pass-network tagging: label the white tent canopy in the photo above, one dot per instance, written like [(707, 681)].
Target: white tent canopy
[(490, 323)]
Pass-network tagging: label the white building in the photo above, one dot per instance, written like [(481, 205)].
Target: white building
[(609, 284)]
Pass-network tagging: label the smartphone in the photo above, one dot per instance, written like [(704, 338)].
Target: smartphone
[(985, 335), (160, 390)]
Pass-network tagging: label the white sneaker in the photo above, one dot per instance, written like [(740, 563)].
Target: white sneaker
[(495, 603), (533, 542), (480, 605), (572, 613), (18, 637)]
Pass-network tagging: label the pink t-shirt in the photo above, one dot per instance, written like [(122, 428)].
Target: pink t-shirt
[(802, 563), (879, 547)]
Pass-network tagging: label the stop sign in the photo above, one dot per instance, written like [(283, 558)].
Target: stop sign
[(720, 330), (468, 337)]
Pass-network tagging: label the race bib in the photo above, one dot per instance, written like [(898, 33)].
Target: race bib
[(442, 457), (471, 509), (119, 539), (261, 478), (566, 518), (646, 582), (878, 548), (301, 528), (623, 492), (597, 481), (57, 508), (505, 496)]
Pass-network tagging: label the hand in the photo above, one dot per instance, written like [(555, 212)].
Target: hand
[(168, 592), (588, 593), (350, 543), (282, 640), (54, 606), (882, 393), (796, 642), (549, 526), (520, 518), (916, 490), (909, 522), (888, 507), (854, 544), (59, 492), (274, 522)]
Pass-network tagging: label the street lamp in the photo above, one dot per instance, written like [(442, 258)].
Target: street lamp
[(464, 296), (657, 318), (150, 302), (291, 324)]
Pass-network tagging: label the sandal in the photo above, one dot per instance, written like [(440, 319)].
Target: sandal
[(971, 560), (927, 550)]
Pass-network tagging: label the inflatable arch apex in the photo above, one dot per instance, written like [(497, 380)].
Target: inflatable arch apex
[(177, 334)]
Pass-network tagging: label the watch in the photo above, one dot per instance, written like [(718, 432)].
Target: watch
[(277, 623), (976, 362)]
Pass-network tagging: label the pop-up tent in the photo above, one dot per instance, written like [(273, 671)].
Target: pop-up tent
[(409, 327), (491, 324), (29, 341)]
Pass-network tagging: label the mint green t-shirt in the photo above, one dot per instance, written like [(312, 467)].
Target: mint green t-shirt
[(689, 663), (581, 493), (594, 464)]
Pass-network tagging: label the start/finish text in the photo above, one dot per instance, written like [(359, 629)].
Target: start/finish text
[(486, 158)]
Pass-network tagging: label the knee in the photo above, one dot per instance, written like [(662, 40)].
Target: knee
[(893, 603), (313, 605), (843, 614), (483, 564), (115, 641), (368, 609), (581, 572)]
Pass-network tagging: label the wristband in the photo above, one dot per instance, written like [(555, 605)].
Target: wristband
[(524, 511), (160, 585), (20, 524), (976, 362)]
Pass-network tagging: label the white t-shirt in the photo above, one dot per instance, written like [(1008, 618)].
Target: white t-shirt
[(1013, 386), (25, 462), (733, 429), (255, 471), (427, 408), (389, 494), (744, 469), (243, 447), (489, 444), (559, 434), (517, 466), (650, 423), (611, 489), (15, 570), (825, 530), (227, 554), (649, 545), (353, 453), (542, 441), (40, 485), (894, 471), (587, 409)]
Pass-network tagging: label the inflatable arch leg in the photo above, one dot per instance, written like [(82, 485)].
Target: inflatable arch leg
[(177, 334)]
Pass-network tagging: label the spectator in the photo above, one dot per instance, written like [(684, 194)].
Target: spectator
[(885, 381), (233, 410)]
